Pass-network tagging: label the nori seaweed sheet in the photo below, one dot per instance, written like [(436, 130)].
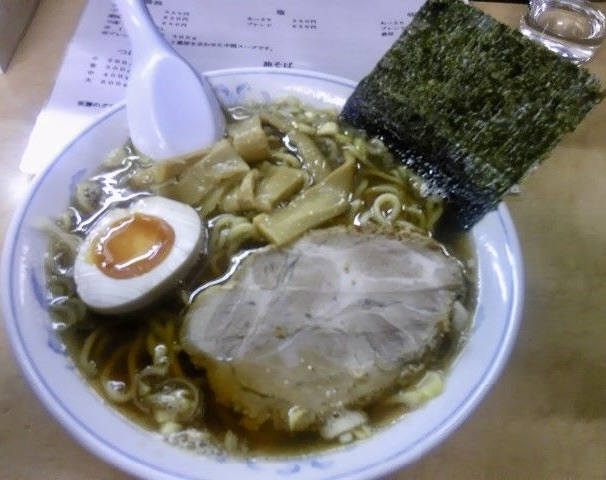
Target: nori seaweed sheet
[(470, 104)]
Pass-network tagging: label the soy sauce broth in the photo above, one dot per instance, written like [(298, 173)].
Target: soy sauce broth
[(121, 334)]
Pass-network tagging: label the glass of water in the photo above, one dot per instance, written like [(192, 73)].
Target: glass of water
[(573, 29)]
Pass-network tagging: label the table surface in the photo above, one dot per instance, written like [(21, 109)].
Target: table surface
[(546, 416)]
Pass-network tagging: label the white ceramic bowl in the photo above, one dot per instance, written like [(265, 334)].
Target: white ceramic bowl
[(120, 442)]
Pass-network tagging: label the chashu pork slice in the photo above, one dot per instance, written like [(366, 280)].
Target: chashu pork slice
[(327, 323)]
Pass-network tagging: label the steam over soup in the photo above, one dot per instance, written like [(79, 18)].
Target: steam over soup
[(311, 302)]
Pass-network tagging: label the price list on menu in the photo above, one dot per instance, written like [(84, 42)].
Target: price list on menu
[(341, 37)]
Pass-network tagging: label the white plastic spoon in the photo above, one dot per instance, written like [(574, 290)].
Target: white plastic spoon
[(171, 109)]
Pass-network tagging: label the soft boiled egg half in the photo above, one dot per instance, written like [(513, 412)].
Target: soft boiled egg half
[(135, 254)]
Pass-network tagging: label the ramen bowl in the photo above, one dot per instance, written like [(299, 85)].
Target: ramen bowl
[(128, 446)]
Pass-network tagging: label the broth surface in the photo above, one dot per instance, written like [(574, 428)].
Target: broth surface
[(111, 351)]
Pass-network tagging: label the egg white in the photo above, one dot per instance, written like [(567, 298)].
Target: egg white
[(110, 295)]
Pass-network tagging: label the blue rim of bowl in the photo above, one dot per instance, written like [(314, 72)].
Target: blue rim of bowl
[(137, 466)]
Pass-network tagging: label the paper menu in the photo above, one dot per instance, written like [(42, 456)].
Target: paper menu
[(340, 37)]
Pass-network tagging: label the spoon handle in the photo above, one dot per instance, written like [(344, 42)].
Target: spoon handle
[(140, 27)]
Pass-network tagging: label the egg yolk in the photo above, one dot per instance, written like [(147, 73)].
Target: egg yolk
[(132, 246)]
